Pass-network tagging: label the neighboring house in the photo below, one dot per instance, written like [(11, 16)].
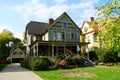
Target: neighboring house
[(16, 55), (89, 34), (60, 36)]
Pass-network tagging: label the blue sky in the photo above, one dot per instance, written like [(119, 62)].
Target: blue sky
[(15, 14)]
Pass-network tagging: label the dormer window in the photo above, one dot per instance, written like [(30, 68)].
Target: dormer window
[(64, 24)]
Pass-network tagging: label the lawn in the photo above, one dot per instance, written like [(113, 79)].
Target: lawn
[(2, 66), (102, 73)]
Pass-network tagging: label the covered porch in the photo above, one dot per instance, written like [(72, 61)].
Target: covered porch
[(53, 49)]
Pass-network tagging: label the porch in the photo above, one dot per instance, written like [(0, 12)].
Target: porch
[(53, 49)]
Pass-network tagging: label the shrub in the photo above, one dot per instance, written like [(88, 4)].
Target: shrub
[(63, 64), (93, 56), (8, 60), (54, 67), (75, 61), (25, 63), (41, 63), (61, 56), (3, 61), (108, 56)]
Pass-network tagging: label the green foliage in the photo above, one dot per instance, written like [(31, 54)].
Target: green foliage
[(41, 63), (93, 56), (5, 38), (25, 63), (75, 60), (107, 56), (7, 44), (2, 66), (109, 29)]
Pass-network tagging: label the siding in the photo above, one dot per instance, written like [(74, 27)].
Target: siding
[(66, 33)]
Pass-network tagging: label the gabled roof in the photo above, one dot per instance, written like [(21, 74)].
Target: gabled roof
[(36, 28), (88, 22), (95, 28), (64, 14)]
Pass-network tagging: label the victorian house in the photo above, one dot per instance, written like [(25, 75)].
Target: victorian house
[(60, 36), (90, 35)]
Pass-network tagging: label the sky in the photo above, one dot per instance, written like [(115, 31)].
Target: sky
[(15, 14)]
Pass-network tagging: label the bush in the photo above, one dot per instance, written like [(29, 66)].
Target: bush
[(63, 64), (41, 63), (25, 63), (75, 61), (111, 56), (93, 56), (8, 60), (108, 56)]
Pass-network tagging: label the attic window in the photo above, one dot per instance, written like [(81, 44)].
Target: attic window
[(64, 24)]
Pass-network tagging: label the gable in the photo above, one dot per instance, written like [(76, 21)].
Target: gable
[(86, 27), (59, 22)]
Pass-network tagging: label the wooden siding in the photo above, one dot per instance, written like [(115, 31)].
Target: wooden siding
[(66, 33)]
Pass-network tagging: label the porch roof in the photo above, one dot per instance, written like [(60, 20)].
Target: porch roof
[(57, 43)]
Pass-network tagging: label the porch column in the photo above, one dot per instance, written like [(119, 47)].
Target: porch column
[(77, 48), (64, 49), (57, 51), (52, 50), (37, 49)]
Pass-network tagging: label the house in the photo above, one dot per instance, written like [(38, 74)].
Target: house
[(16, 55), (89, 34), (60, 36)]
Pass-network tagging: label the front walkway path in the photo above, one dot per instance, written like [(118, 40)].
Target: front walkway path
[(16, 72)]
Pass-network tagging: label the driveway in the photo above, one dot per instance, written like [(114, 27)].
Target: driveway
[(15, 72)]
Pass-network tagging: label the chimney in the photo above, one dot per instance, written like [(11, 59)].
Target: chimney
[(92, 19), (50, 21)]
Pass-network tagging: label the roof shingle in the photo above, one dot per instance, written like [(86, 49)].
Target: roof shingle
[(36, 28)]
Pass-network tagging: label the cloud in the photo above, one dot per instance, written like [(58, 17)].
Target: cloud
[(59, 1), (19, 35), (81, 10), (2, 27)]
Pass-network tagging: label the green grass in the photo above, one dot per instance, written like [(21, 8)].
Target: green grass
[(2, 66), (102, 73)]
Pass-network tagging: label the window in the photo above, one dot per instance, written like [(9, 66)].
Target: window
[(54, 36), (59, 36), (88, 38), (64, 24), (95, 37), (74, 35)]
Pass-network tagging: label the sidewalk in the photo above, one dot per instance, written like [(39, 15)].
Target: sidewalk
[(16, 72)]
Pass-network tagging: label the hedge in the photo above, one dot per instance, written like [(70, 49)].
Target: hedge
[(41, 63)]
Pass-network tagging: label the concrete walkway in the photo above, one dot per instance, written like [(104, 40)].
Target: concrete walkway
[(16, 72)]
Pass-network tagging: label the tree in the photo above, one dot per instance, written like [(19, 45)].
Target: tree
[(109, 26), (5, 37), (8, 43)]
